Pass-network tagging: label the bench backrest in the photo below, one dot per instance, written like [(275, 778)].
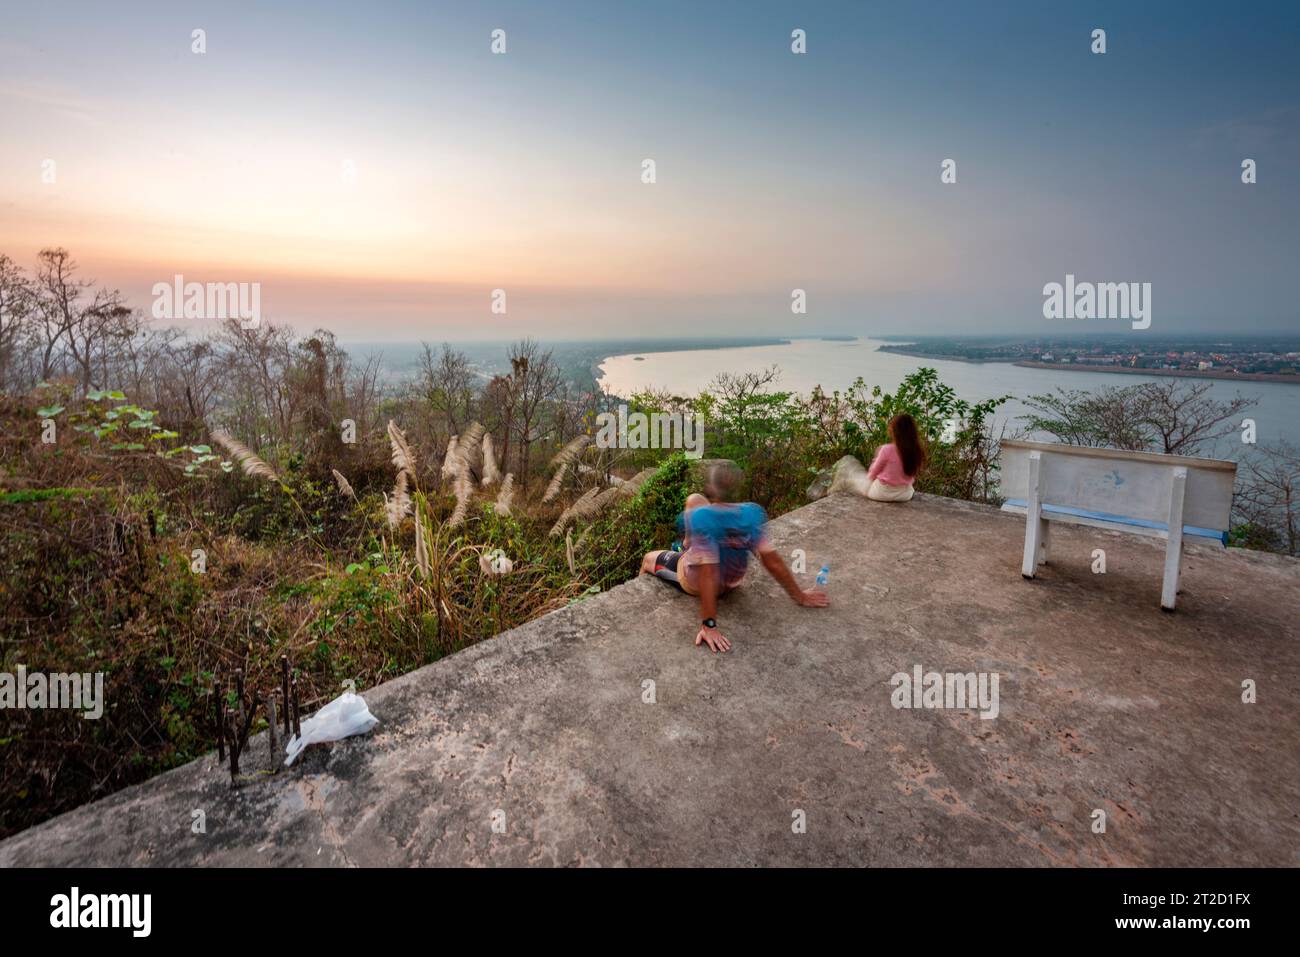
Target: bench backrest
[(1111, 481)]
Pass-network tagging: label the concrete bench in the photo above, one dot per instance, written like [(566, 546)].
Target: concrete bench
[(1166, 496)]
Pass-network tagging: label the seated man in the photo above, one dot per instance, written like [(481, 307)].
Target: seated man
[(719, 537)]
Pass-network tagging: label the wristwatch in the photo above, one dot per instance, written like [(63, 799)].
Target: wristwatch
[(710, 623)]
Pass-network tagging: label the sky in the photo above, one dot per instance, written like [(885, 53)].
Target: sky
[(379, 171)]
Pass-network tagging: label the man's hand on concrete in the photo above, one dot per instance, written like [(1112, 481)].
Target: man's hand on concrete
[(713, 638), (813, 598)]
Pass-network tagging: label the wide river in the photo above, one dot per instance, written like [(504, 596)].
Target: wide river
[(805, 363)]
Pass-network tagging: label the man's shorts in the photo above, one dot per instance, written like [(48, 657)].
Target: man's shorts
[(666, 567)]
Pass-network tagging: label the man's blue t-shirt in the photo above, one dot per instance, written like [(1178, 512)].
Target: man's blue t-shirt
[(726, 535)]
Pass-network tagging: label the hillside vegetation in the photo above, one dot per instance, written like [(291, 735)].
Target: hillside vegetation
[(179, 510)]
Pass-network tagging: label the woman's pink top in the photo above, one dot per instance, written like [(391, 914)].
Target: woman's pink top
[(888, 467)]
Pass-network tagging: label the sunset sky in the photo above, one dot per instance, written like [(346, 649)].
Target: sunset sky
[(522, 171)]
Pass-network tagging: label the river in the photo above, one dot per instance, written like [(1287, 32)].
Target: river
[(805, 363)]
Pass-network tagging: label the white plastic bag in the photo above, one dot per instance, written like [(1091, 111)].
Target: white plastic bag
[(343, 717)]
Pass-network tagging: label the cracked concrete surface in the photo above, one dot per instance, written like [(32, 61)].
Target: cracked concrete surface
[(1106, 703)]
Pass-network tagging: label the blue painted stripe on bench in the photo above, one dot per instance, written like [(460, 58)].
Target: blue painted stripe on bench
[(1222, 536)]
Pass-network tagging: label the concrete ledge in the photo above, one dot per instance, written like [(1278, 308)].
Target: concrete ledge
[(1105, 703)]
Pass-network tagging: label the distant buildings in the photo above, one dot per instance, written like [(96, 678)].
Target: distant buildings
[(1215, 357)]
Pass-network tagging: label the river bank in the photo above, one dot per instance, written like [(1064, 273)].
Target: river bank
[(1226, 374), (1177, 373)]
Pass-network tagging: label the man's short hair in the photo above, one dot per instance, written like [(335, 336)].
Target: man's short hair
[(723, 482)]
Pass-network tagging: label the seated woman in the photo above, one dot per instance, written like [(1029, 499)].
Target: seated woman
[(897, 463)]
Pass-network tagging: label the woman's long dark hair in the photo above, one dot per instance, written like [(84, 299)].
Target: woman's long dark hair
[(911, 448)]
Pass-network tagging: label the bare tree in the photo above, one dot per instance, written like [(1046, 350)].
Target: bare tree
[(1267, 499), (256, 365), (737, 387), (141, 364), (446, 383), (1112, 417), (1185, 419), (735, 401), (267, 385), (188, 384), (17, 303), (498, 406), (327, 389), (533, 383), (58, 297), (1177, 418), (364, 393), (90, 332)]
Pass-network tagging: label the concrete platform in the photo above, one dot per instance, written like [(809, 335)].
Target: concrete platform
[(1105, 703)]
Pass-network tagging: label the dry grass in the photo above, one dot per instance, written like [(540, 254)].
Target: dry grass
[(451, 462), (344, 486), (505, 496), (397, 503), (464, 492), (95, 569), (491, 474), (403, 457), (563, 463), (248, 460), (421, 544)]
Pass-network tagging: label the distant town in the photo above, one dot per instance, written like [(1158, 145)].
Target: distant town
[(1266, 358)]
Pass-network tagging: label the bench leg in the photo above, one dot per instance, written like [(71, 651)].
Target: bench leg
[(1174, 547), (1044, 538), (1033, 519), (1033, 540)]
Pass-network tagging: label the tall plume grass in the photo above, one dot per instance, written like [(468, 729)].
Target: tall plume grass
[(248, 460), (421, 543), (563, 462), (582, 508), (471, 438), (469, 449), (403, 457), (397, 503), (588, 509), (491, 473), (464, 491), (505, 496), (345, 487), (451, 461)]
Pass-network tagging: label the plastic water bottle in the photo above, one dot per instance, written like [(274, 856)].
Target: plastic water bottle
[(824, 576)]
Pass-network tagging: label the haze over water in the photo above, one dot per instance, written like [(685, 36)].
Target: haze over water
[(806, 363)]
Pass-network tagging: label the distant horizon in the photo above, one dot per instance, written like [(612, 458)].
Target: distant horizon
[(1191, 336)]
